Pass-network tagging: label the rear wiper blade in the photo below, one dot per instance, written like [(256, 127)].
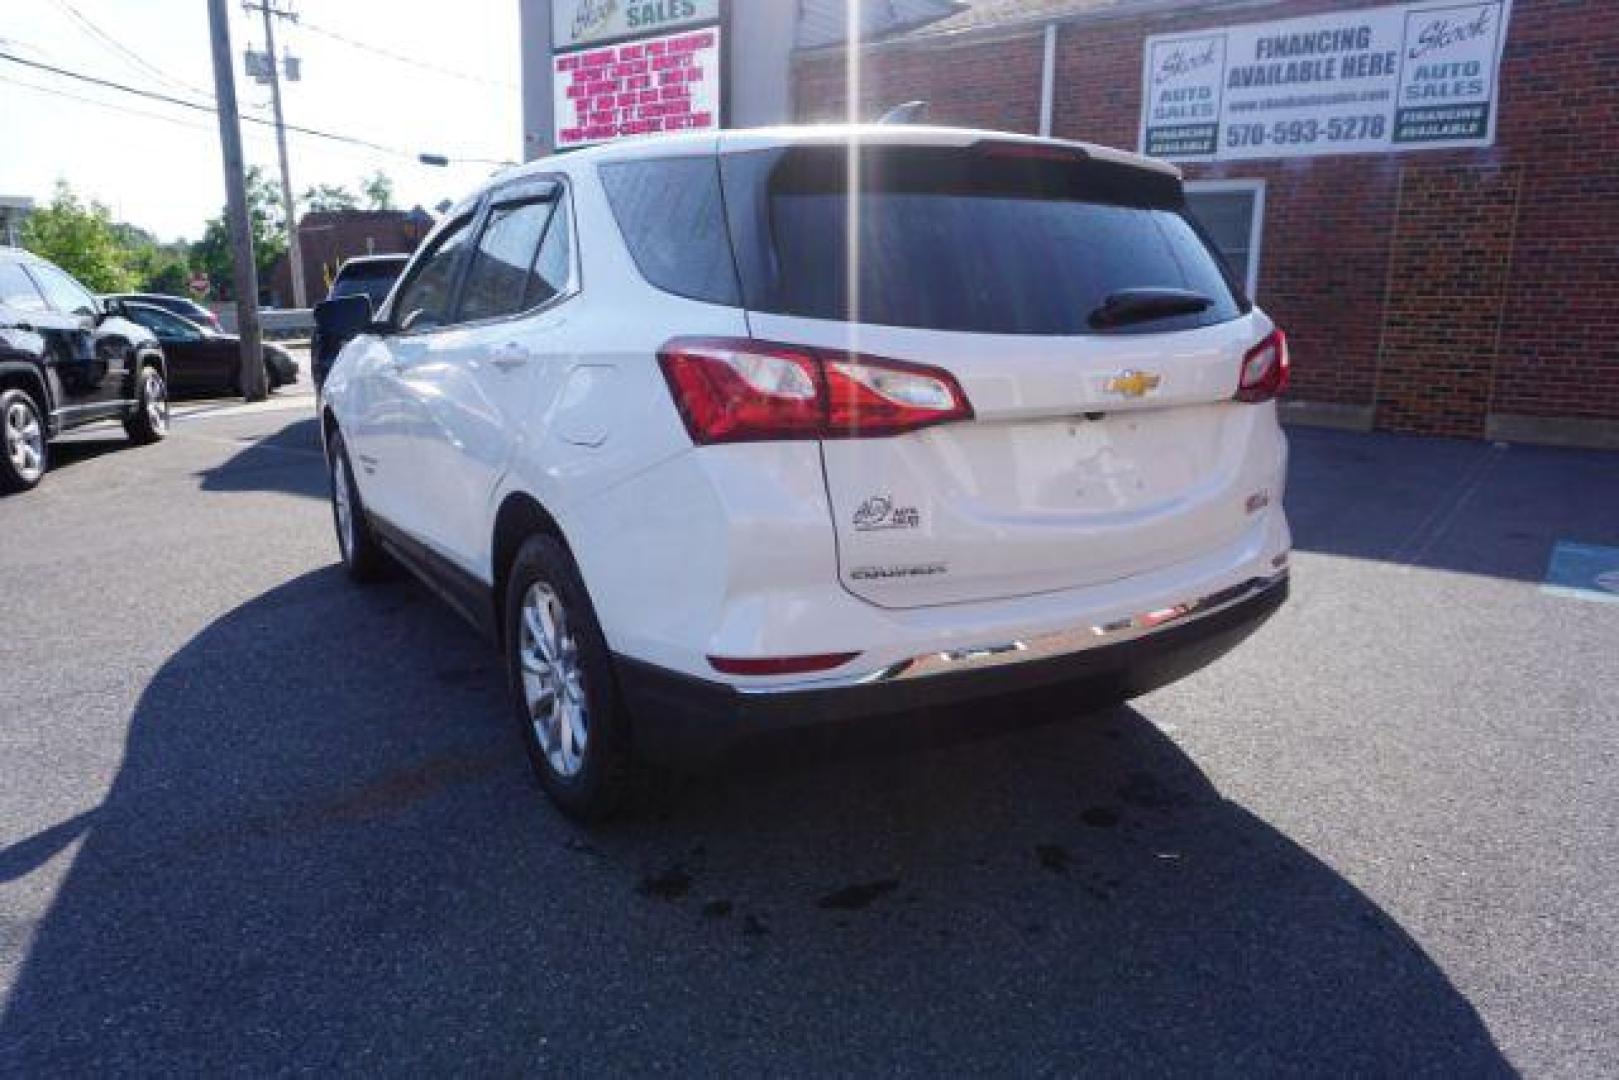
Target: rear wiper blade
[(1129, 306)]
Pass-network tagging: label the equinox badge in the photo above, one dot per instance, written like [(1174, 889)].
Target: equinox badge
[(1133, 383)]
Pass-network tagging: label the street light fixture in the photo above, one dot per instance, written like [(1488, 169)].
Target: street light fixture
[(442, 161)]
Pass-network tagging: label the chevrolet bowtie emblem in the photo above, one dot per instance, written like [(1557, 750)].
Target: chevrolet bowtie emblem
[(1133, 383)]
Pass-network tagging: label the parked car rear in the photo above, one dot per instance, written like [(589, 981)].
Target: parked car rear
[(724, 434), (371, 276)]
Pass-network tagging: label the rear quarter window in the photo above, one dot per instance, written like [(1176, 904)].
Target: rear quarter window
[(672, 216)]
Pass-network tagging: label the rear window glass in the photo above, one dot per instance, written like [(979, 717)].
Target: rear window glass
[(374, 279), (371, 270), (957, 239), (673, 221)]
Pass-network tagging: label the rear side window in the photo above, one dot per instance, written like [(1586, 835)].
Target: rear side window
[(501, 272), (17, 289), (553, 269), (965, 240), (673, 220)]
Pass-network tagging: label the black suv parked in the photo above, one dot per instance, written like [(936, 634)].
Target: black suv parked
[(67, 359)]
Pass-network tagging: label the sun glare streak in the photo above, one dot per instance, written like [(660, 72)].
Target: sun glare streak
[(851, 92)]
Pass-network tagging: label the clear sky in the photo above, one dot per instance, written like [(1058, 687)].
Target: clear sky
[(162, 171)]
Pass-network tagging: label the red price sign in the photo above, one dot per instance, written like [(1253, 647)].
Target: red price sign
[(643, 87)]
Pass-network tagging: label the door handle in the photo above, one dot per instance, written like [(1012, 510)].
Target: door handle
[(508, 356)]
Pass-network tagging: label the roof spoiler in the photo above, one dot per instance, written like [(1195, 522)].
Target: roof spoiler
[(912, 112)]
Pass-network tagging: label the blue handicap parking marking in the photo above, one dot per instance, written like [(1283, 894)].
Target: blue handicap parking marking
[(1583, 572)]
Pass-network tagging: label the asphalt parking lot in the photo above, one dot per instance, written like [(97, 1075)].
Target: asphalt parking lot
[(254, 819)]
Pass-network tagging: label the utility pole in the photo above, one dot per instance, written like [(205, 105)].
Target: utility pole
[(295, 254), (241, 229)]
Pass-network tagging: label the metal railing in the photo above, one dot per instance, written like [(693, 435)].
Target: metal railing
[(278, 324)]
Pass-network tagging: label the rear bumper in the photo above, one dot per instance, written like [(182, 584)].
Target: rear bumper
[(680, 718)]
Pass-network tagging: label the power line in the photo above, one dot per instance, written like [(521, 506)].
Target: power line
[(366, 46), (177, 121), (199, 107), (115, 107), (127, 54)]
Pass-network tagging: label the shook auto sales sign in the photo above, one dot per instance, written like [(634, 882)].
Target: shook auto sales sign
[(1413, 77), (622, 68)]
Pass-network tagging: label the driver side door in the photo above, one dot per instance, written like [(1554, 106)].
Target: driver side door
[(91, 368), (388, 429)]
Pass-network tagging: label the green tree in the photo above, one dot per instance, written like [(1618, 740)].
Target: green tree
[(158, 267), (378, 189), (329, 198), (82, 239), (212, 254), (167, 273)]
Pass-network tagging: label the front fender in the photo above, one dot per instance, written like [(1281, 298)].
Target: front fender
[(150, 355), (28, 374)]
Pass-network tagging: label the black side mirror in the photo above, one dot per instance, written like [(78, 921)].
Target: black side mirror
[(337, 321), (114, 309)]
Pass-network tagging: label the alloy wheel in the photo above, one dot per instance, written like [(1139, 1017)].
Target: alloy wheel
[(25, 441), (156, 396), (553, 680), (343, 506)]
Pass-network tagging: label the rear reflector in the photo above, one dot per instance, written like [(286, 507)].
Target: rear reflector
[(740, 390), (1265, 369), (779, 665)]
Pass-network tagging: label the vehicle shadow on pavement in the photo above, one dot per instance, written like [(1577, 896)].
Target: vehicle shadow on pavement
[(1448, 504), (324, 851), (261, 464)]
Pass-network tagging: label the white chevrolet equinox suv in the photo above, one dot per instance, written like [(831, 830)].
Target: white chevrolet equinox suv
[(721, 434)]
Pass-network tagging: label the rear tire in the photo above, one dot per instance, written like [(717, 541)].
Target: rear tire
[(564, 698), (24, 442), (362, 556), (150, 421)]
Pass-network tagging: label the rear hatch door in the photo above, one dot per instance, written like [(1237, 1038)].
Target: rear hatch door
[(1104, 443)]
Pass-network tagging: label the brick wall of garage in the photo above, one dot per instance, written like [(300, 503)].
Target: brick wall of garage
[(1449, 292)]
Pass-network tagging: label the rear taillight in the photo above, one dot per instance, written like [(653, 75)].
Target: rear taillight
[(1265, 369), (739, 390)]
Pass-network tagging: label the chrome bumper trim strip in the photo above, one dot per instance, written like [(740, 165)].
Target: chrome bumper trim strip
[(1041, 647)]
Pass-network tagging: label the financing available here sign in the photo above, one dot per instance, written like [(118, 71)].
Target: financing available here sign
[(1411, 77)]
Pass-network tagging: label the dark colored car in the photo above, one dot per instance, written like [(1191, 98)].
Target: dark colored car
[(182, 306), (68, 359), (203, 361), (365, 275), (373, 275)]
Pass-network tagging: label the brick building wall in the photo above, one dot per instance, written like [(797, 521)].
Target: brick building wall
[(329, 238), (1453, 292)]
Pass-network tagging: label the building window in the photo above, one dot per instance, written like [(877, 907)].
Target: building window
[(1233, 214)]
